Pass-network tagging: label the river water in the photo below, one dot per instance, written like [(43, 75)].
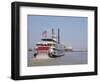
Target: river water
[(70, 58)]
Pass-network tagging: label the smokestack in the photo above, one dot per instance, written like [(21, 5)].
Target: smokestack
[(58, 35), (52, 32)]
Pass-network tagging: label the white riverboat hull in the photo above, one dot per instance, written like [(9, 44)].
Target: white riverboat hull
[(42, 56)]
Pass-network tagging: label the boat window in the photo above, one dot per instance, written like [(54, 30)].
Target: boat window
[(48, 40)]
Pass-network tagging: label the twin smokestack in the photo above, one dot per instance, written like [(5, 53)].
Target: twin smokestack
[(54, 34)]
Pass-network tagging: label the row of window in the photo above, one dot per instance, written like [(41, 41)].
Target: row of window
[(45, 44)]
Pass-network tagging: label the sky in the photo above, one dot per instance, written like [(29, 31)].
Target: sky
[(73, 30)]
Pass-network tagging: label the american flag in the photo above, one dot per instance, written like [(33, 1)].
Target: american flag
[(44, 34)]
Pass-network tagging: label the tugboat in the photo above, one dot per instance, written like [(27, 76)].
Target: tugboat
[(51, 47)]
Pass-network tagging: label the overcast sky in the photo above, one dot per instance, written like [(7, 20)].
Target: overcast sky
[(73, 30)]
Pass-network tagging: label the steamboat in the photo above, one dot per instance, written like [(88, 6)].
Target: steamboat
[(50, 47)]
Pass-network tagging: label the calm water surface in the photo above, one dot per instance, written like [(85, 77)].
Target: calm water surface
[(70, 58)]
